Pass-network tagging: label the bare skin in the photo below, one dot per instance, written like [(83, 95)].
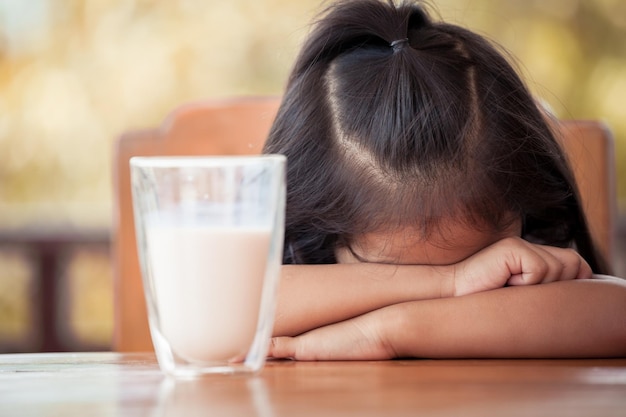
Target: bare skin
[(462, 293)]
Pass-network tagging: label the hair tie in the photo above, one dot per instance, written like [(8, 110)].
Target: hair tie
[(399, 44)]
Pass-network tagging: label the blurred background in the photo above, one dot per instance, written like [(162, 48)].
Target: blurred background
[(75, 74)]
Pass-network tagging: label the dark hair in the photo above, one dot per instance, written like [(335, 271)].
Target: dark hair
[(436, 125)]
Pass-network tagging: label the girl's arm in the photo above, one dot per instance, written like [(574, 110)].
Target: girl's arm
[(311, 296), (583, 318)]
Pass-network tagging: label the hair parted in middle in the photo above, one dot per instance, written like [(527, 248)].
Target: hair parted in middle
[(437, 125)]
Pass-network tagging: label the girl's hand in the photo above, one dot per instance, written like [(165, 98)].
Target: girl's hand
[(514, 261), (359, 338)]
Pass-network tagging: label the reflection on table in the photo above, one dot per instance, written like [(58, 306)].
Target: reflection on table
[(113, 384)]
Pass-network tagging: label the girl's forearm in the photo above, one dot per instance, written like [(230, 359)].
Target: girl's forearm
[(311, 296), (582, 318)]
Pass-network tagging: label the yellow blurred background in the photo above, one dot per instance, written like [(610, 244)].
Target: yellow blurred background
[(74, 74)]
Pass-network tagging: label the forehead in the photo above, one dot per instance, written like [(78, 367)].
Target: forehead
[(448, 244)]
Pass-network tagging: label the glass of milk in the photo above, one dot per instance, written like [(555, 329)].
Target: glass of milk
[(210, 236)]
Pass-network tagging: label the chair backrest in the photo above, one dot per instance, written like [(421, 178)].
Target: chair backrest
[(590, 148), (240, 126)]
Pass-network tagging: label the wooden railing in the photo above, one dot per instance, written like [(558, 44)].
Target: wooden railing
[(47, 251)]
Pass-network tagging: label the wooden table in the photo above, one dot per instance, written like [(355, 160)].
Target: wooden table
[(113, 384)]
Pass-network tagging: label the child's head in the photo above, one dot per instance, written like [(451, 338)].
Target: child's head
[(391, 119)]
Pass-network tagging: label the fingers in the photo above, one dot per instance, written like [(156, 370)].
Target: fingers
[(572, 265), (353, 339), (534, 264), (282, 348)]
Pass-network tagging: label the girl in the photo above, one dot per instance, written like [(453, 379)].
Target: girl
[(427, 196)]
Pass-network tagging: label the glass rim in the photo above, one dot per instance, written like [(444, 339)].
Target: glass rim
[(170, 161)]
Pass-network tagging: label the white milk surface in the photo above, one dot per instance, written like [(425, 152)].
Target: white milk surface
[(208, 284)]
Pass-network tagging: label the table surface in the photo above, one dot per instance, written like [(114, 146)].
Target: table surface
[(116, 384)]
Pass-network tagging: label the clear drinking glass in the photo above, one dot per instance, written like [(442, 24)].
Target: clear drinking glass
[(210, 238)]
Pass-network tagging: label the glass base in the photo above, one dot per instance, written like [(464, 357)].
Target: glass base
[(180, 368), (180, 371)]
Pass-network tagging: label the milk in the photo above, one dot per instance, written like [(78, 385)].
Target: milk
[(212, 275)]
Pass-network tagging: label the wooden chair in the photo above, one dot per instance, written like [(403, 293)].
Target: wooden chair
[(240, 127)]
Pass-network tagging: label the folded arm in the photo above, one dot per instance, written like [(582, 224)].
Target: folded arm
[(582, 318), (311, 296), (486, 305), (585, 318)]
